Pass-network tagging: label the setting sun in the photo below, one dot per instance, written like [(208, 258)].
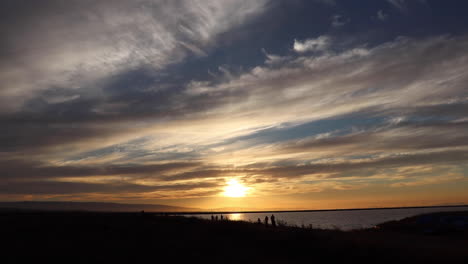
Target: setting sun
[(235, 189)]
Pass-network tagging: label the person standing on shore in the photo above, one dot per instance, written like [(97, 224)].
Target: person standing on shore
[(266, 220), (273, 222)]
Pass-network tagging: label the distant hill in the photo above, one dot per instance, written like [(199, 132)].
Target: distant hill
[(91, 206)]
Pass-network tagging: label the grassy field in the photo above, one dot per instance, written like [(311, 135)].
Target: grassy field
[(85, 237)]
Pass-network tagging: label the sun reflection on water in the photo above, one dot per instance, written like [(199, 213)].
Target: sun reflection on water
[(236, 217)]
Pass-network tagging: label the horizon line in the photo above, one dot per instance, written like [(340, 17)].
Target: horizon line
[(307, 210)]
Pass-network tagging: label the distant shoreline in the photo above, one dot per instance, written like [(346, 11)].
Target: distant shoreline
[(171, 210), (304, 211)]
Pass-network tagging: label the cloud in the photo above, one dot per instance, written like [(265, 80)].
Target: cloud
[(338, 83), (33, 178), (402, 5), (399, 4), (79, 44), (23, 170), (430, 180), (382, 16), (272, 59), (54, 188), (318, 44), (338, 21), (348, 81), (399, 138), (420, 82), (362, 167), (327, 2)]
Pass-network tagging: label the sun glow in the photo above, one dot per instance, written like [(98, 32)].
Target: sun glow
[(235, 189)]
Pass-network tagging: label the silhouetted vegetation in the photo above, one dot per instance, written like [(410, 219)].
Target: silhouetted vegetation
[(80, 237), (453, 224)]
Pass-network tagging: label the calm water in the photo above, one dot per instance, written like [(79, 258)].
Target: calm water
[(344, 220)]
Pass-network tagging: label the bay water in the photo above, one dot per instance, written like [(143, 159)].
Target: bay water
[(339, 219)]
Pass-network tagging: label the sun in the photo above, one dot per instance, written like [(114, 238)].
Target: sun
[(235, 189)]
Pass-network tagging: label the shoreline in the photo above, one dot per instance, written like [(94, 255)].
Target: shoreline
[(304, 211)]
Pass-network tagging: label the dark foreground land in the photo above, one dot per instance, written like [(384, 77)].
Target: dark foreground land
[(80, 237)]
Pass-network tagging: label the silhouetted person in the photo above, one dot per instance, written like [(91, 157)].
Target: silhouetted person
[(266, 220), (216, 218), (221, 217), (212, 218), (273, 222), (259, 221)]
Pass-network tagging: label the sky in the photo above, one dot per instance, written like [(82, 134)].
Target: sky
[(246, 104)]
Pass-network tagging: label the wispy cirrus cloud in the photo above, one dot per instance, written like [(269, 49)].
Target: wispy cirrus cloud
[(79, 44), (400, 4)]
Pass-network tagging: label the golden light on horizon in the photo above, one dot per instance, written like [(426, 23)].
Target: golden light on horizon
[(235, 189)]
